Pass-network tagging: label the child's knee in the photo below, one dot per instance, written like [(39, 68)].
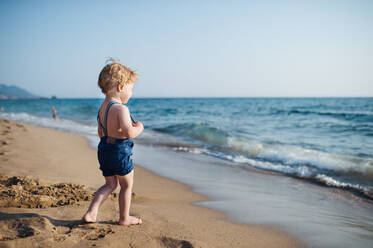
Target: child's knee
[(112, 186), (126, 184)]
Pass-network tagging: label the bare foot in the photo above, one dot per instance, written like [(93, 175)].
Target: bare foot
[(87, 218), (131, 220)]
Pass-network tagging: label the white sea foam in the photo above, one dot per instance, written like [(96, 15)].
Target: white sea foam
[(304, 172), (333, 182), (194, 150), (88, 131), (297, 157)]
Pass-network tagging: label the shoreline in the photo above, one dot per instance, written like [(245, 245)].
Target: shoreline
[(167, 207)]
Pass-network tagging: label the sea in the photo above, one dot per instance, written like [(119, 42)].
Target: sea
[(318, 151)]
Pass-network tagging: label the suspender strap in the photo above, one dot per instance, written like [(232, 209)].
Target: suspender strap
[(98, 120), (133, 121), (106, 114)]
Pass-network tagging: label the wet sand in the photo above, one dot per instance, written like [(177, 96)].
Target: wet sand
[(48, 177)]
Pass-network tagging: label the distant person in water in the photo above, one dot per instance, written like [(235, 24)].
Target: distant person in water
[(2, 109), (116, 129), (54, 112)]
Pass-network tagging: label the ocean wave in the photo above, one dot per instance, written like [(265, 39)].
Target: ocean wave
[(301, 171), (365, 191), (218, 140), (153, 138), (321, 167), (296, 156), (305, 172), (199, 131), (366, 116)]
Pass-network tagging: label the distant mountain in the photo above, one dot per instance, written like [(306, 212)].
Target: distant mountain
[(14, 92)]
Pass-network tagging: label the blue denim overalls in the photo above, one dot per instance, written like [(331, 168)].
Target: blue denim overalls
[(114, 155)]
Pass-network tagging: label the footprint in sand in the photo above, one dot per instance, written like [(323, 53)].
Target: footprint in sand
[(24, 227), (171, 242)]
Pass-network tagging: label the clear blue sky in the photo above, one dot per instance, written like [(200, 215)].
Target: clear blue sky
[(190, 48)]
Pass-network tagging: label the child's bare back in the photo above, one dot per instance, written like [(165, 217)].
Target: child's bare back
[(116, 130), (119, 122)]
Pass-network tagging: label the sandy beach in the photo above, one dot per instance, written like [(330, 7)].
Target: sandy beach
[(48, 178)]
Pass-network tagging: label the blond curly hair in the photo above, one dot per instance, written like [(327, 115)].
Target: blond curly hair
[(115, 73)]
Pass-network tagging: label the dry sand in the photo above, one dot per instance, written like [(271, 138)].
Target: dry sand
[(48, 177)]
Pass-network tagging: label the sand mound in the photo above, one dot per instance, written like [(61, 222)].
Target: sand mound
[(22, 192)]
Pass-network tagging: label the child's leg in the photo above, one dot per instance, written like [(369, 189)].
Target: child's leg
[(125, 194), (100, 196)]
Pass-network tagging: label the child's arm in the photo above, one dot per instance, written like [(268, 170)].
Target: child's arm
[(125, 123)]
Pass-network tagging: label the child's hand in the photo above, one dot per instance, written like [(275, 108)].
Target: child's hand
[(138, 124)]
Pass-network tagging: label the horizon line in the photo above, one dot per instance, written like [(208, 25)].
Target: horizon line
[(189, 97)]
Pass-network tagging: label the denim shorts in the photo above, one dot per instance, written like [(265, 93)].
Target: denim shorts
[(115, 156)]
